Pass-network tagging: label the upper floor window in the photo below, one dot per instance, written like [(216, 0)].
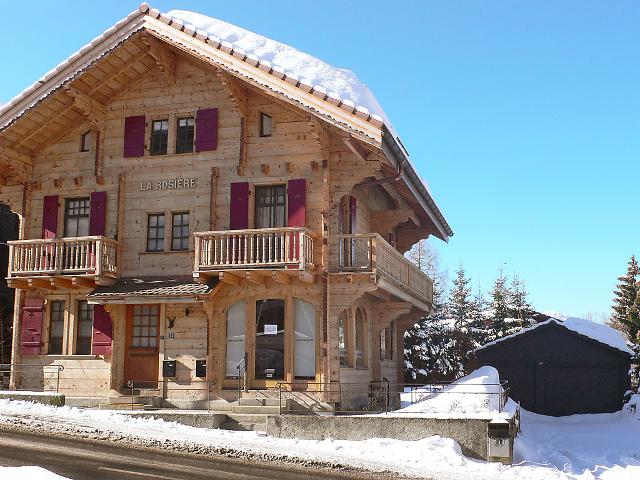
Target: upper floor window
[(180, 231), (56, 327), (155, 232), (266, 125), (76, 217), (84, 328), (85, 141), (270, 206), (184, 135), (159, 137)]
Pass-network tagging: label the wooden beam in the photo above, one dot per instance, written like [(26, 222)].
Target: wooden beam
[(229, 278), (306, 277), (165, 59), (358, 151), (384, 221), (58, 282), (39, 283), (213, 199), (93, 110), (255, 277), (82, 282), (239, 95), (15, 166), (281, 277)]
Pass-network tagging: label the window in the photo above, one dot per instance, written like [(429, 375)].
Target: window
[(184, 135), (145, 326), (84, 328), (342, 339), (269, 355), (56, 327), (361, 340), (159, 137), (155, 232), (236, 316), (180, 231), (76, 217), (386, 343), (266, 125), (304, 364), (270, 206), (85, 141)]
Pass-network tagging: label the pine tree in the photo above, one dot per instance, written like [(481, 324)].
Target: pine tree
[(519, 307), (626, 314), (498, 311), (460, 303), (477, 325)]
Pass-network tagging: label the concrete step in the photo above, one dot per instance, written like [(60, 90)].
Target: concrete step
[(260, 402), (122, 406), (243, 427), (265, 410), (246, 418), (145, 399)]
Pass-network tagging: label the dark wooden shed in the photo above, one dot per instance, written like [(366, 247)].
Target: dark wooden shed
[(556, 370)]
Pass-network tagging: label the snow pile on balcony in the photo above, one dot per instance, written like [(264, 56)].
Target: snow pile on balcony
[(479, 392), (337, 82)]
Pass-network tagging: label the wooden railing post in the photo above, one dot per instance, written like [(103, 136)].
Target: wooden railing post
[(98, 254)]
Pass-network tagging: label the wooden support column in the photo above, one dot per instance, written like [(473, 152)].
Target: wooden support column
[(239, 94), (213, 199), (382, 315), (165, 59)]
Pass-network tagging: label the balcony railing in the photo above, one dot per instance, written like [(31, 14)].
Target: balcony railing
[(63, 256), (287, 247), (370, 253)]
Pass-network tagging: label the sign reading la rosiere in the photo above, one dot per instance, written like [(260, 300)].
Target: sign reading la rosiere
[(177, 183)]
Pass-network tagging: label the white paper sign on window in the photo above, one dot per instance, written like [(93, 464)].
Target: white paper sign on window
[(270, 329)]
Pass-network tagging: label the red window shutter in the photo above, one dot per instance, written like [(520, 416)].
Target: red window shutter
[(239, 206), (31, 335), (50, 217), (296, 203), (98, 213), (353, 208), (134, 136), (207, 129), (102, 331)]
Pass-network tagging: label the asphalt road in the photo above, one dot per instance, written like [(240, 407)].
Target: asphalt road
[(80, 460)]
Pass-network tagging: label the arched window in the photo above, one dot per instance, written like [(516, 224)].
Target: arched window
[(236, 321), (305, 339), (361, 339)]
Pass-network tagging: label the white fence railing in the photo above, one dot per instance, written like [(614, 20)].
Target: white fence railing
[(369, 252), (254, 248), (59, 256)]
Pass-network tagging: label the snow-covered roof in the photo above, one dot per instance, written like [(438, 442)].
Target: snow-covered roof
[(595, 331)]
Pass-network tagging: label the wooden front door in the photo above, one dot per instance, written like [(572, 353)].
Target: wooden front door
[(141, 349)]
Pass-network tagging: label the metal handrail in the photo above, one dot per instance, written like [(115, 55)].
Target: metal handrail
[(242, 378), (10, 367)]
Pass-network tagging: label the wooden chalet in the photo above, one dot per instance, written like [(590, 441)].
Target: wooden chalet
[(181, 199)]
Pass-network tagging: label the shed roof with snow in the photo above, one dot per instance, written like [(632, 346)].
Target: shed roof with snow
[(562, 367)]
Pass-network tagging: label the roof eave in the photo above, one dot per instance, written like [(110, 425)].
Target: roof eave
[(396, 154)]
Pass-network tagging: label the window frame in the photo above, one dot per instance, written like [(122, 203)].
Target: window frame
[(182, 238), (152, 312), (156, 228), (88, 135), (257, 189), (78, 322), (77, 217), (263, 132), (62, 319), (155, 137), (178, 143)]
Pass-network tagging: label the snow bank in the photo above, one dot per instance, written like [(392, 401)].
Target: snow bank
[(338, 82), (28, 473), (478, 392)]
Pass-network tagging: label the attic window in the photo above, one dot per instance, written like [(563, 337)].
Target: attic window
[(85, 141), (266, 125)]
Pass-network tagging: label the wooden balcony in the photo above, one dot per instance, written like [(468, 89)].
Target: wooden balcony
[(255, 254), (370, 253), (62, 262)]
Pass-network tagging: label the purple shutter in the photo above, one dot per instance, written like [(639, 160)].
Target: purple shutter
[(239, 206), (353, 208), (296, 203), (134, 136), (102, 331), (50, 217), (97, 215), (31, 335), (207, 129)]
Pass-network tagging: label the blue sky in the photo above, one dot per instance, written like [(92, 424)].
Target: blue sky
[(524, 118)]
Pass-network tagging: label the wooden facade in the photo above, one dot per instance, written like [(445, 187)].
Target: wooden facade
[(314, 217)]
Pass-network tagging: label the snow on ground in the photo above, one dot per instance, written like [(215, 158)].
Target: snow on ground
[(580, 447), (28, 473), (479, 392)]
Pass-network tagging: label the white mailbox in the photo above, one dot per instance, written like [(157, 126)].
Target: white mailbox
[(499, 439)]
